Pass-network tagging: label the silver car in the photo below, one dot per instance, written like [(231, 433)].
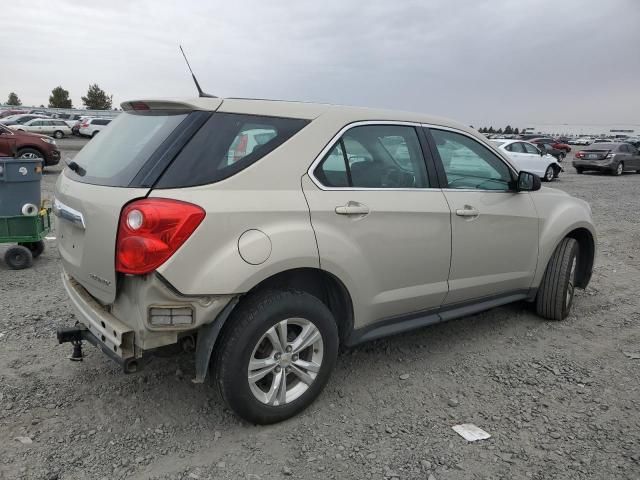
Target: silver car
[(262, 235)]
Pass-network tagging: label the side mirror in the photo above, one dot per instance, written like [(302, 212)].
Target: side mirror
[(542, 152), (527, 182)]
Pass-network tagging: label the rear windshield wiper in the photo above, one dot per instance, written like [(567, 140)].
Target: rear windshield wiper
[(76, 168)]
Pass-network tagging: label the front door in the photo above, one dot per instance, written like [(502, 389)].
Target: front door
[(494, 230), (380, 225), (7, 142)]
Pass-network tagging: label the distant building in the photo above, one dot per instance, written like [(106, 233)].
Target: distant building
[(577, 130)]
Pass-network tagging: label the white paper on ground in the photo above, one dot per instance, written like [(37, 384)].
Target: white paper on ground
[(470, 432)]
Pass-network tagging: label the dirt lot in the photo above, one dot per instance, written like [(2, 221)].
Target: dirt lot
[(561, 400)]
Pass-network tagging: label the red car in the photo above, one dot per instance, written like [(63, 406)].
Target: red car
[(6, 113), (28, 145), (550, 141)]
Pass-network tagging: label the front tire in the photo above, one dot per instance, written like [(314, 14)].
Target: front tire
[(549, 174), (579, 170), (29, 153), (555, 295), (58, 134), (18, 257), (277, 355)]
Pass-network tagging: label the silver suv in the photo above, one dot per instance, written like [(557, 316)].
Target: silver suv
[(262, 235)]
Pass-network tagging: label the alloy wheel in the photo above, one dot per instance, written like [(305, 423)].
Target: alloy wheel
[(285, 361)]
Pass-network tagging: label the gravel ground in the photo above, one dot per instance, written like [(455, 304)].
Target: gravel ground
[(561, 400)]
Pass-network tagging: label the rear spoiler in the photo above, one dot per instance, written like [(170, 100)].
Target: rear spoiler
[(202, 103)]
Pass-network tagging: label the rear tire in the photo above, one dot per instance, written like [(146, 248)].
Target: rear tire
[(94, 134), (555, 295), (561, 156), (18, 257), (619, 169), (250, 337), (58, 134), (36, 248), (579, 170)]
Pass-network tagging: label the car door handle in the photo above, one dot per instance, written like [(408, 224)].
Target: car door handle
[(467, 211), (352, 208)]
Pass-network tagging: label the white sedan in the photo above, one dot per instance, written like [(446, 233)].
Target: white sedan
[(526, 156), (45, 126)]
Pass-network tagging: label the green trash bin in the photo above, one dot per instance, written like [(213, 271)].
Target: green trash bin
[(20, 186)]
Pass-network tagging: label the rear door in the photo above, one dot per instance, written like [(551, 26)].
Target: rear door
[(381, 223), (114, 169), (494, 230)]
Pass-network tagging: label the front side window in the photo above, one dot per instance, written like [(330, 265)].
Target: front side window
[(375, 156), (468, 164)]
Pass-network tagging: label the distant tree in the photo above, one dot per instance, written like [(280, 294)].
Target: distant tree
[(516, 131), (481, 130), (59, 98), (470, 126), (97, 99), (491, 130), (499, 130), (508, 130), (13, 99), (42, 106)]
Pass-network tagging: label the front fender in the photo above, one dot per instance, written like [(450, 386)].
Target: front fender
[(560, 216)]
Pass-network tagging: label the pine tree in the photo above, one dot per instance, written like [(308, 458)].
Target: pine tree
[(13, 99), (508, 130), (97, 99), (59, 98)]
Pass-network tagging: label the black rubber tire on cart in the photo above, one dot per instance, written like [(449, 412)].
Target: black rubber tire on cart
[(246, 335), (36, 248), (555, 295), (18, 257)]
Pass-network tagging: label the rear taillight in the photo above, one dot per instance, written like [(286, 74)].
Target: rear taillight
[(579, 154), (151, 230)]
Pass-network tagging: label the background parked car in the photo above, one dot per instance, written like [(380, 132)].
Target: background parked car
[(582, 141), (554, 143), (615, 158), (90, 127), (7, 113), (20, 119), (548, 148), (70, 118), (526, 156), (45, 126), (28, 145)]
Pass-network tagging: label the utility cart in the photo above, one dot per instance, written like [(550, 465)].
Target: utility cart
[(28, 232), (22, 219)]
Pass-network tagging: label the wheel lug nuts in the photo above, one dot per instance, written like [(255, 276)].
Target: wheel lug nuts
[(294, 358), (278, 369), (288, 348)]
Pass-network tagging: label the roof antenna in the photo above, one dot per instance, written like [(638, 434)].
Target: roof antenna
[(195, 80)]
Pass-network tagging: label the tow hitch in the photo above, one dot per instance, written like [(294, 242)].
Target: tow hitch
[(76, 334)]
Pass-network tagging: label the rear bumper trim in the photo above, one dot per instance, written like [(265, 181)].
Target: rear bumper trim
[(113, 335)]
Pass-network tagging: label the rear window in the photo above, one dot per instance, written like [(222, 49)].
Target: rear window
[(114, 157), (226, 144)]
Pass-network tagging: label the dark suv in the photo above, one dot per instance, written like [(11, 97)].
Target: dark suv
[(28, 145)]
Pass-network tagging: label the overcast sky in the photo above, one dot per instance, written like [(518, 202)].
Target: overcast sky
[(478, 61)]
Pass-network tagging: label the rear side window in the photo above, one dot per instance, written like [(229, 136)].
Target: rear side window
[(375, 156), (226, 144)]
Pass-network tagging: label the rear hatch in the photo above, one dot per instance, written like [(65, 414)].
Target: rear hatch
[(117, 166)]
